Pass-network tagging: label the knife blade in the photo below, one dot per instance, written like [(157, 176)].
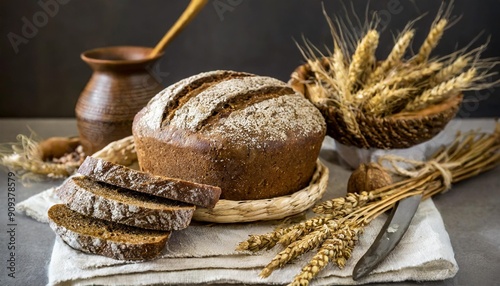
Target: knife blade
[(389, 236)]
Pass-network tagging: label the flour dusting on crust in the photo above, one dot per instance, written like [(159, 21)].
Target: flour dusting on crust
[(154, 110), (201, 107), (273, 119)]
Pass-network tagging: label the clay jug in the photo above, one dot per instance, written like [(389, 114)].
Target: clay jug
[(121, 84)]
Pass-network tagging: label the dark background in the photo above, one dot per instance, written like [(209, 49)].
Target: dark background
[(45, 76)]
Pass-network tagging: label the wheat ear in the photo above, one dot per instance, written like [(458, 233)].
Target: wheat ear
[(430, 42), (411, 76), (450, 71), (362, 58), (338, 64), (334, 250), (442, 91), (404, 78), (269, 240), (394, 57), (258, 242), (340, 71), (387, 101), (297, 248), (340, 207)]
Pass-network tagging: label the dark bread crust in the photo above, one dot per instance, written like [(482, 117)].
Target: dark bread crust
[(111, 203), (170, 188), (105, 238), (234, 168), (251, 136)]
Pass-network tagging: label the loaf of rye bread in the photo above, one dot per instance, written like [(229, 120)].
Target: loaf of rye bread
[(111, 203), (252, 136), (170, 188), (105, 238)]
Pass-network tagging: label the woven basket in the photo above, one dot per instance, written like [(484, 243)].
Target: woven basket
[(402, 130), (227, 211)]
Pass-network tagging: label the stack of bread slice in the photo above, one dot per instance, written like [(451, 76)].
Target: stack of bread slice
[(122, 213)]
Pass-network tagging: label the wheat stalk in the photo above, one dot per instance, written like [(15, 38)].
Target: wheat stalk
[(259, 242), (442, 91), (340, 72), (404, 80), (450, 71), (337, 62), (362, 59), (318, 69), (343, 206), (430, 42), (269, 240), (409, 76), (25, 159), (335, 250), (468, 155), (393, 59), (352, 84), (387, 101), (295, 249)]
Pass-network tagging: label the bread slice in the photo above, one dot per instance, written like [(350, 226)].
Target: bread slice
[(170, 188), (105, 238), (120, 205)]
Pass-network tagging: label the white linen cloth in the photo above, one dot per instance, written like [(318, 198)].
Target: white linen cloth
[(203, 254)]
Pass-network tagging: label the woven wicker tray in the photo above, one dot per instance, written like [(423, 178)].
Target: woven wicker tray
[(227, 211)]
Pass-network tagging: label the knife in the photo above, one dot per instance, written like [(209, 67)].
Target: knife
[(389, 236)]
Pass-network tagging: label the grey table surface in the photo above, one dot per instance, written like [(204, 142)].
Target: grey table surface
[(471, 213)]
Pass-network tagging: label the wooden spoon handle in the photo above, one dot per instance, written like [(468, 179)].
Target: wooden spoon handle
[(191, 11)]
